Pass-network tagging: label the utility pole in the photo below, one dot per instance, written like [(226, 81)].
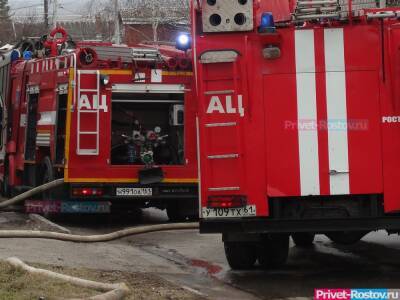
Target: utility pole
[(117, 33), (46, 14), (154, 22), (55, 8)]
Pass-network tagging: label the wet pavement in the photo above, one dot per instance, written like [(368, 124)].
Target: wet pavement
[(197, 262), (374, 262)]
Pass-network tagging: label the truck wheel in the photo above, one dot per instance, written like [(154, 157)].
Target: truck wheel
[(5, 188), (273, 251), (303, 239), (240, 255), (47, 175), (346, 237), (174, 214)]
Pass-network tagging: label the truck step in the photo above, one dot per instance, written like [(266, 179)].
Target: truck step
[(223, 156), (224, 189), (230, 124)]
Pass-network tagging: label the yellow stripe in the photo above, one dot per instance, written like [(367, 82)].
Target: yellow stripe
[(129, 72), (177, 73), (116, 72), (68, 125), (127, 180)]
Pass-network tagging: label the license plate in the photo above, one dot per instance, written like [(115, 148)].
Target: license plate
[(135, 192), (248, 211)]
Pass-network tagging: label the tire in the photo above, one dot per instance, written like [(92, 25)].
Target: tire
[(5, 188), (182, 211), (240, 255), (303, 239), (174, 214), (273, 251), (47, 175), (346, 237)]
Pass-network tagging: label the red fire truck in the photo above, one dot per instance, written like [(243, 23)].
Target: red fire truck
[(116, 122), (299, 122)]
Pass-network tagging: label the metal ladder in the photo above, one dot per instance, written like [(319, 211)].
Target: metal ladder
[(316, 9), (81, 113), (235, 157), (330, 9)]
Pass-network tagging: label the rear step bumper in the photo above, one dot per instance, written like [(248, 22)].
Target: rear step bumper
[(265, 225)]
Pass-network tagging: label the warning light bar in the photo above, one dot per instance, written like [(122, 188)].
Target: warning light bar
[(229, 201)]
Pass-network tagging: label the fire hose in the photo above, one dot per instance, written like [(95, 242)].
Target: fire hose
[(113, 292)]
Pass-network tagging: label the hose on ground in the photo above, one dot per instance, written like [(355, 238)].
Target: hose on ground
[(32, 192), (29, 234), (114, 291)]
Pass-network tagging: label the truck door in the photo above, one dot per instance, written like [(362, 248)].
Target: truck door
[(31, 124), (4, 88), (390, 123), (3, 133)]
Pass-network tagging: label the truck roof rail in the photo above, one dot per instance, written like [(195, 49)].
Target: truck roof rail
[(307, 10)]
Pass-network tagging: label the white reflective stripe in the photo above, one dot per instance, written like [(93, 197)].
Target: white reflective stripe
[(43, 139), (334, 50), (305, 52), (337, 111), (307, 112)]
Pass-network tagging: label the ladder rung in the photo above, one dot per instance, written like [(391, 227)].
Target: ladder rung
[(317, 16), (88, 111), (315, 9), (222, 189), (317, 2), (223, 156), (87, 152), (88, 132), (225, 92), (88, 90), (230, 124)]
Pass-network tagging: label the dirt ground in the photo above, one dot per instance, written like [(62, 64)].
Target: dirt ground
[(19, 285)]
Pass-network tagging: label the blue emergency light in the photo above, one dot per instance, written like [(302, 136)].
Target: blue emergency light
[(267, 23), (28, 55), (183, 42)]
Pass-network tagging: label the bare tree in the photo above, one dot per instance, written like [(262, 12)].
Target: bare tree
[(172, 12)]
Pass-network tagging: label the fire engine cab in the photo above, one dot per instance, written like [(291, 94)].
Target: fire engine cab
[(116, 122), (299, 132)]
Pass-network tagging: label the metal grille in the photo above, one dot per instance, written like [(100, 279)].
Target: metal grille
[(227, 15), (330, 9), (357, 7)]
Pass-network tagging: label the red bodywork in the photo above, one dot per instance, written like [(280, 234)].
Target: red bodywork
[(72, 122), (314, 128)]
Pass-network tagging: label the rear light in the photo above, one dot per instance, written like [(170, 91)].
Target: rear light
[(232, 201), (86, 192)]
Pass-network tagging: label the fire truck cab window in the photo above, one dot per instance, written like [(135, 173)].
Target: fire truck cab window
[(147, 122)]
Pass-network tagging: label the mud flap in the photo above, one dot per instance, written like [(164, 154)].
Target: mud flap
[(151, 176)]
